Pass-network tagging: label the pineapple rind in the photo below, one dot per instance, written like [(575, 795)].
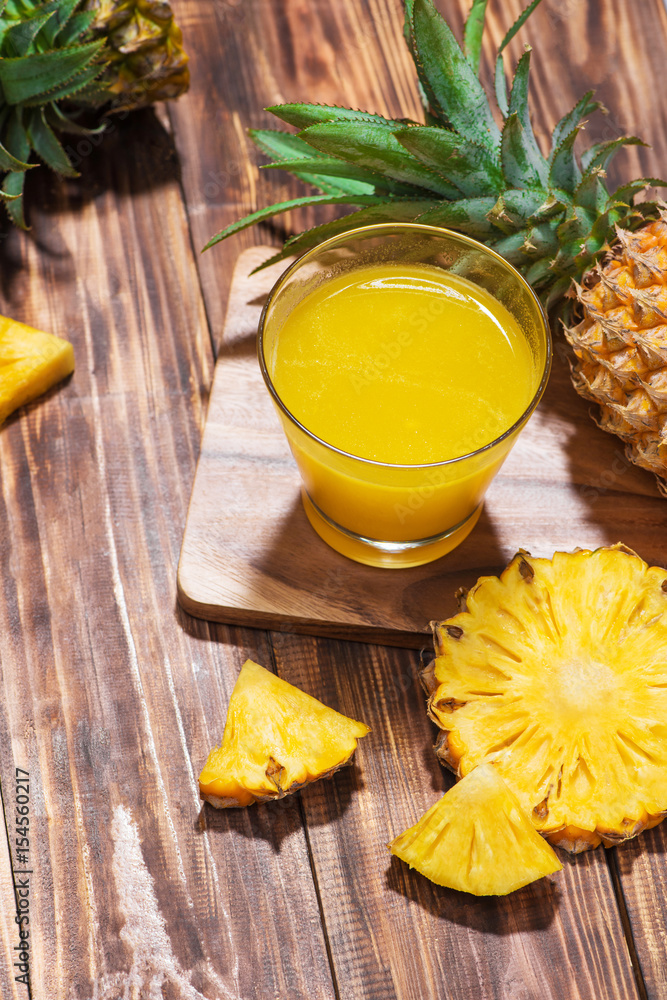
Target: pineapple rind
[(557, 673), (620, 345), (277, 739), (31, 361), (477, 839)]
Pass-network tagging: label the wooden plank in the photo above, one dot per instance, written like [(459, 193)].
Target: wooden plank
[(249, 555), (10, 939), (111, 697), (392, 933), (642, 876)]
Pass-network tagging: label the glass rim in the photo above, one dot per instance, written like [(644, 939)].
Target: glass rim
[(438, 230)]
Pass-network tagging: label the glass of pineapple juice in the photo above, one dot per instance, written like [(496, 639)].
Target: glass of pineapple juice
[(403, 361)]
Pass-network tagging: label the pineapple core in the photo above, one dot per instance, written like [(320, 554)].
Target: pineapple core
[(30, 363), (477, 839), (557, 673), (277, 739)]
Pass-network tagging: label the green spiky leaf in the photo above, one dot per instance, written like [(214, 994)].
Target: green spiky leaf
[(12, 186), (500, 87), (74, 27), (281, 145), (564, 172), (584, 106), (287, 206), (453, 86), (470, 215), (601, 154), (18, 39), (374, 146), (9, 162), (62, 13), (518, 105), (521, 165), (303, 115), (626, 192), (23, 79), (325, 167), (472, 33), (471, 168), (72, 88), (43, 140), (518, 24), (591, 192), (61, 122)]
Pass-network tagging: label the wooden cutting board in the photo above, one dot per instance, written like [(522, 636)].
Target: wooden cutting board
[(250, 557)]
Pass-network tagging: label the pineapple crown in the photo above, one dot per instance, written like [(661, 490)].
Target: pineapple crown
[(60, 57), (551, 216)]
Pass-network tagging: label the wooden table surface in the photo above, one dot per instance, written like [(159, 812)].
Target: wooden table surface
[(111, 696)]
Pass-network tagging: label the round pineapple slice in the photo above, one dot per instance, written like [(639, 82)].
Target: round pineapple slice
[(477, 839), (557, 673)]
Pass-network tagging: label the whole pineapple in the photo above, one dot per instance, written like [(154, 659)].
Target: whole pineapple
[(552, 216), (59, 58), (621, 344)]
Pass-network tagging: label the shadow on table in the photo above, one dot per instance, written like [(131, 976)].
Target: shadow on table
[(532, 908), (135, 154), (612, 494)]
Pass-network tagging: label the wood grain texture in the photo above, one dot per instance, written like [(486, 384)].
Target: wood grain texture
[(392, 933), (111, 698), (249, 555), (642, 877)]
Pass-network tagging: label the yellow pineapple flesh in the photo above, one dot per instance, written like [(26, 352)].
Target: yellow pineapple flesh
[(621, 345), (30, 363), (277, 739), (557, 673), (477, 839)]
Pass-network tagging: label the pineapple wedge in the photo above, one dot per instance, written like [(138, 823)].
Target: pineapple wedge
[(277, 739), (557, 673), (30, 363), (477, 839)]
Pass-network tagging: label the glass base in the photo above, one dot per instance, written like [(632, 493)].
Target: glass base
[(389, 555)]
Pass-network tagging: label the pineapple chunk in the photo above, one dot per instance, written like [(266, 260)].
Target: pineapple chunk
[(477, 839), (30, 363), (277, 739), (557, 673)]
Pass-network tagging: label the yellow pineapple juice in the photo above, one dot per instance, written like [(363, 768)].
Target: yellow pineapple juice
[(394, 380)]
